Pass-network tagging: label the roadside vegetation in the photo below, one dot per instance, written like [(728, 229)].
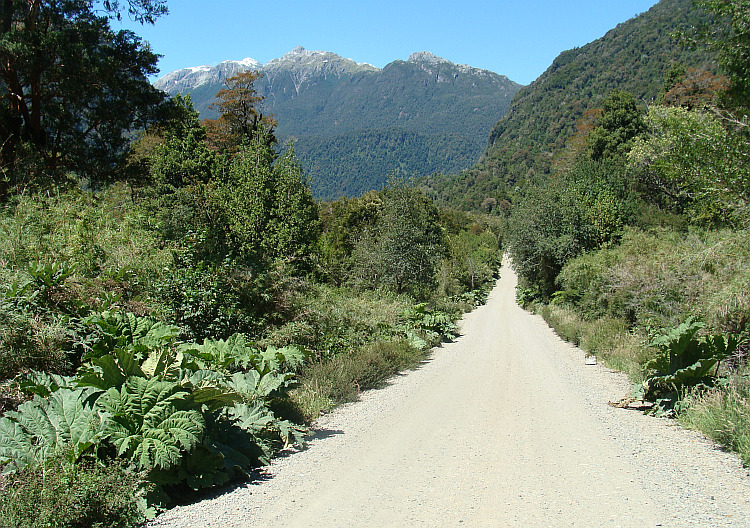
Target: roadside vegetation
[(175, 308), (636, 247)]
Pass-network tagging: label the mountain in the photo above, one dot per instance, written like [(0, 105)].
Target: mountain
[(354, 123), (191, 78), (634, 56)]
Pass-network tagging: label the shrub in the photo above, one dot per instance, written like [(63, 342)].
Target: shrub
[(64, 495)]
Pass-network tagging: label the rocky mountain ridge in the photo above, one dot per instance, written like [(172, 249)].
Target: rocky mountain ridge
[(193, 77), (307, 62), (354, 123)]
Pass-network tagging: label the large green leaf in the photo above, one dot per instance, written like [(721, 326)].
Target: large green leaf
[(686, 359), (63, 423), (110, 370), (43, 383), (152, 422), (127, 330)]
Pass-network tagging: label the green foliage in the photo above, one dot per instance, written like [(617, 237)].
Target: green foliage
[(73, 87), (359, 161), (146, 398), (659, 278), (722, 413), (265, 211), (632, 57), (213, 299), (689, 164), (342, 378), (432, 326), (120, 329), (63, 495), (473, 258), (685, 360), (331, 321), (61, 424), (618, 125), (402, 252), (574, 212), (151, 422), (729, 36), (181, 156)]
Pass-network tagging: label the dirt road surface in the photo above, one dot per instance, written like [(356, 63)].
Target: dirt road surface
[(505, 427)]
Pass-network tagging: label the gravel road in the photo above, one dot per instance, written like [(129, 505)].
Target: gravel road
[(506, 426)]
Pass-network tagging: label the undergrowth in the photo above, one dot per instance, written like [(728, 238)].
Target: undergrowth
[(723, 413), (63, 495)]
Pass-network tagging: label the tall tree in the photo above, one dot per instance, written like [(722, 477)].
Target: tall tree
[(239, 117), (403, 249), (70, 85), (619, 123)]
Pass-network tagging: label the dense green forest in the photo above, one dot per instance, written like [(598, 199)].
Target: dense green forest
[(354, 163), (635, 247), (174, 305)]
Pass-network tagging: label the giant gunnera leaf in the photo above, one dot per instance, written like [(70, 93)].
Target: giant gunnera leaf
[(61, 424), (152, 422)]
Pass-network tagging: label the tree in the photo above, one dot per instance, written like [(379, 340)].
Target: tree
[(264, 211), (688, 163), (239, 118), (730, 36), (403, 250), (70, 84), (619, 122), (694, 89), (573, 212), (179, 155)]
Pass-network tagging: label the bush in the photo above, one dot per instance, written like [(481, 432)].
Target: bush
[(574, 212), (657, 278), (63, 495), (329, 321)]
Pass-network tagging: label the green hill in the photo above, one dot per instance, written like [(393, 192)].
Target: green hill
[(634, 57)]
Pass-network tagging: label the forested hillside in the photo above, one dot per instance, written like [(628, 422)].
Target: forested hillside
[(413, 117), (635, 57), (176, 307)]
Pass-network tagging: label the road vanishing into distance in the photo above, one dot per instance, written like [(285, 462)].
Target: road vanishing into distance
[(504, 427)]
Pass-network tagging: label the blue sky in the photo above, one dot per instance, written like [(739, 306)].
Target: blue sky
[(514, 38)]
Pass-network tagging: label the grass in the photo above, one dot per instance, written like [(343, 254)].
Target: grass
[(608, 338), (723, 414), (340, 379)]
